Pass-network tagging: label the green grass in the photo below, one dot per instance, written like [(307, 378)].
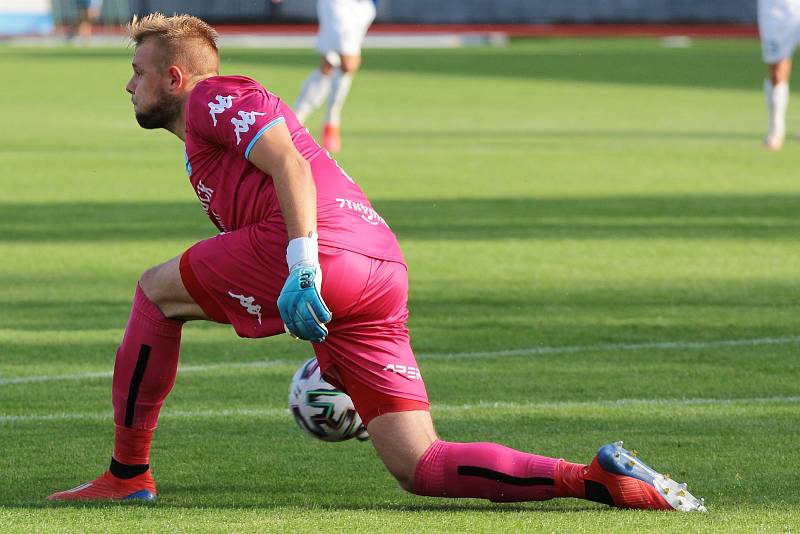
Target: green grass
[(601, 209)]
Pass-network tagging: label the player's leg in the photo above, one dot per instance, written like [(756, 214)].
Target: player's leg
[(317, 86), (353, 19), (778, 25), (341, 81), (144, 373), (776, 94), (223, 278), (425, 465), (403, 435), (314, 91)]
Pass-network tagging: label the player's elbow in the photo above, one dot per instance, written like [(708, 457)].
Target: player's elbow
[(302, 167), (294, 168)]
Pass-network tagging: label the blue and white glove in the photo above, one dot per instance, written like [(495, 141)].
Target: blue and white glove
[(300, 303)]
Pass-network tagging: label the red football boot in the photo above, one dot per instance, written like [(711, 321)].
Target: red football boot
[(107, 487), (618, 478)]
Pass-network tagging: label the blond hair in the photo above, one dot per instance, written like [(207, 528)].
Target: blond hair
[(186, 40)]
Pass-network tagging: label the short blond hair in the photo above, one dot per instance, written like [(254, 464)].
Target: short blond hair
[(186, 40)]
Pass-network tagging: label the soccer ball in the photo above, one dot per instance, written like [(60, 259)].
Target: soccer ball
[(322, 410)]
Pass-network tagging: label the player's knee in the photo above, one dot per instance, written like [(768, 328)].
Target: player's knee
[(326, 66), (350, 66), (151, 282), (780, 72)]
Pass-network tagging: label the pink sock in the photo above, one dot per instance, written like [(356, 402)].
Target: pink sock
[(485, 471), (146, 365)]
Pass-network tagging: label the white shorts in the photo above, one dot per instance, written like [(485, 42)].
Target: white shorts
[(779, 27), (343, 25)]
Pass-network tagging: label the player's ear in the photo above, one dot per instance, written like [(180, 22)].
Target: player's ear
[(176, 78)]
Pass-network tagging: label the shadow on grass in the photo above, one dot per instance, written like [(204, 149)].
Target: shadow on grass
[(585, 62), (680, 217), (523, 303), (714, 65)]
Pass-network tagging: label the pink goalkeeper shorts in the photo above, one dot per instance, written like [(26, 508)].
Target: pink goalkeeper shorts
[(367, 352)]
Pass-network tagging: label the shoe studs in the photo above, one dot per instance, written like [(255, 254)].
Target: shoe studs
[(631, 463)]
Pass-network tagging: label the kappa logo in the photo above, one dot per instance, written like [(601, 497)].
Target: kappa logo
[(248, 118), (222, 103), (405, 370), (249, 304)]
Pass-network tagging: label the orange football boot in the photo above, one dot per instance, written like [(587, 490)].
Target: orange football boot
[(331, 139)]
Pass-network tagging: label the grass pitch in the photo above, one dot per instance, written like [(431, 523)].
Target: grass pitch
[(599, 249)]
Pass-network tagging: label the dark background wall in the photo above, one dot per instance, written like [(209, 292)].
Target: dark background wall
[(449, 11)]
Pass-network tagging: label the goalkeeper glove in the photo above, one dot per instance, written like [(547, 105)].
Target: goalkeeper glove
[(300, 303)]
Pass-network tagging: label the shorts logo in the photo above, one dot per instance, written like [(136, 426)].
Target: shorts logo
[(407, 371), (249, 304), (223, 103), (248, 118)]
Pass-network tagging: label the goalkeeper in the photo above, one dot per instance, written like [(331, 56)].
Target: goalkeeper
[(300, 248)]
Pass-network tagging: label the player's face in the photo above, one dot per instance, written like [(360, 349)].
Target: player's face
[(153, 104)]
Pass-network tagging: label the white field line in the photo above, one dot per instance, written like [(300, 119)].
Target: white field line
[(657, 345), (654, 345), (275, 413)]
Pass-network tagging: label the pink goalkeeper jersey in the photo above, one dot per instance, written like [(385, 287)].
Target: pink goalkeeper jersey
[(225, 116)]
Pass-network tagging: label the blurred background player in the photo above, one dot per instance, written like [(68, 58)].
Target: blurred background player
[(88, 12), (342, 27), (779, 27)]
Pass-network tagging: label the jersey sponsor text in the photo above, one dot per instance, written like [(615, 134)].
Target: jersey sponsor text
[(367, 213)]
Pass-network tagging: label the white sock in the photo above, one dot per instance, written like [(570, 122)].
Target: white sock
[(313, 93), (777, 101), (340, 86)]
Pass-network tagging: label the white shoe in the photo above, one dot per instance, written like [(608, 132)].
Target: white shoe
[(774, 140)]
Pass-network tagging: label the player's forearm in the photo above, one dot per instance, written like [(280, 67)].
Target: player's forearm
[(297, 196)]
